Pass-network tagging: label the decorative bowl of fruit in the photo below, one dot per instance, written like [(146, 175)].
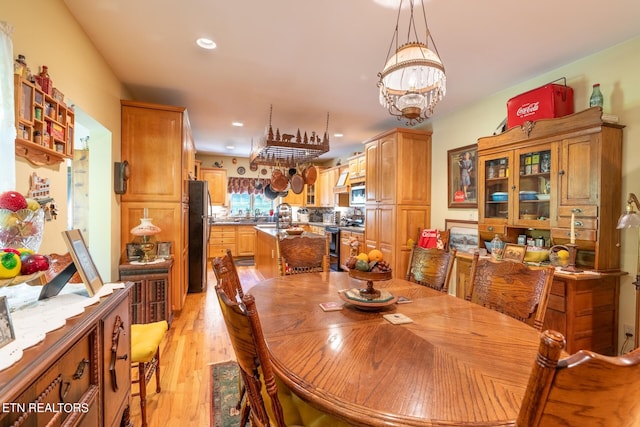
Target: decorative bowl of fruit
[(21, 266), (371, 268), (21, 221)]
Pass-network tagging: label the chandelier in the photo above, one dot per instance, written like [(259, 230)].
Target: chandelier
[(413, 80)]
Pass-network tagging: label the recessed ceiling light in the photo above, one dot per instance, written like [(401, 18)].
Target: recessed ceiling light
[(230, 147), (206, 43), (338, 135), (237, 124)]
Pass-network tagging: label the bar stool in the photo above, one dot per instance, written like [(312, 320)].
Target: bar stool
[(145, 355)]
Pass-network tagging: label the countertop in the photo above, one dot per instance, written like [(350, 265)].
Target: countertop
[(271, 225)]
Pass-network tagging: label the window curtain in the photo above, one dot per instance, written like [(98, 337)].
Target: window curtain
[(237, 185), (7, 115)]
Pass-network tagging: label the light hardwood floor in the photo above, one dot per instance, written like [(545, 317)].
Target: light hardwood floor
[(196, 339)]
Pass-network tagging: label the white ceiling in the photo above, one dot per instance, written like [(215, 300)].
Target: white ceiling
[(309, 58)]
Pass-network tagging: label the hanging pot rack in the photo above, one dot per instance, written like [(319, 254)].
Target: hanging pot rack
[(288, 150)]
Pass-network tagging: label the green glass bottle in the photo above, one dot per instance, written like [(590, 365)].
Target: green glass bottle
[(596, 99)]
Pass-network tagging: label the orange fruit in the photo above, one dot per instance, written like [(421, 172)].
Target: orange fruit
[(375, 255), (363, 256)]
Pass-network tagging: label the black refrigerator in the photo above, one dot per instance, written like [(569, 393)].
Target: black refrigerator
[(198, 235)]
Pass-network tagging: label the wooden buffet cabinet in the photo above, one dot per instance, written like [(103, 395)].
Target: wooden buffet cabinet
[(75, 370), (547, 171), (398, 193), (150, 290), (157, 143)]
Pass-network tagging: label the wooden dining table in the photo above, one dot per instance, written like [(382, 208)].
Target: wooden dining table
[(456, 363)]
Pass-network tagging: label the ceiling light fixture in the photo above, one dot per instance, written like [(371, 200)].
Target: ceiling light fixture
[(413, 79), (338, 135), (206, 43), (237, 124)]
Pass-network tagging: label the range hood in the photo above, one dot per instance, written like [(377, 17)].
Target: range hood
[(342, 185)]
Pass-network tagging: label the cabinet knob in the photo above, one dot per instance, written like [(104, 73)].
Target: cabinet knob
[(561, 172), (490, 228), (576, 210)]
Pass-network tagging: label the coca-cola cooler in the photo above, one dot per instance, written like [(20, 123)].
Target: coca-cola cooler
[(546, 102)]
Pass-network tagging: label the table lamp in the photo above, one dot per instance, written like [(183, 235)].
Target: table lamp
[(631, 219), (145, 232)]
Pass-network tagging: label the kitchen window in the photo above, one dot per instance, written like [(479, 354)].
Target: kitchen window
[(246, 202)]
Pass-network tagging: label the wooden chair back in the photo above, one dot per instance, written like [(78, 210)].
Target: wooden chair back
[(303, 254), (431, 267), (245, 332), (444, 237), (227, 277), (582, 390), (512, 288)]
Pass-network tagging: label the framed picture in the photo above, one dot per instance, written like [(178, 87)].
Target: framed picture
[(83, 261), (513, 252), (163, 249), (6, 327), (463, 235), (134, 253), (462, 177)]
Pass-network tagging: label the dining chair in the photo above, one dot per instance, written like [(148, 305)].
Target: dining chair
[(224, 268), (430, 267), (582, 390), (303, 254), (272, 403), (512, 288)]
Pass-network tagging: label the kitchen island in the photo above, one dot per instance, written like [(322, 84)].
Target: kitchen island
[(266, 255)]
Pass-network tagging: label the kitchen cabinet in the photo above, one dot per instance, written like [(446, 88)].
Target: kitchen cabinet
[(346, 237), (246, 240), (328, 178), (357, 168), (294, 199), (44, 125), (85, 364), (217, 179), (157, 143), (221, 238), (150, 298), (239, 239), (398, 193), (544, 172)]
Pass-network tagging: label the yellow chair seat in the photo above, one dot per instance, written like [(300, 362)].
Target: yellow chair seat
[(145, 340)]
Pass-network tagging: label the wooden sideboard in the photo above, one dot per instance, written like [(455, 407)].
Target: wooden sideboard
[(79, 375), (583, 307)]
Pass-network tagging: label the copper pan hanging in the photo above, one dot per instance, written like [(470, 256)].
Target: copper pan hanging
[(310, 174), (279, 181), (297, 183)]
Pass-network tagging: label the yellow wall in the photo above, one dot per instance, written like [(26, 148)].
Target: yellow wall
[(47, 34)]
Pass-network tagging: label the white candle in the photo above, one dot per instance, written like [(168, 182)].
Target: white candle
[(572, 234)]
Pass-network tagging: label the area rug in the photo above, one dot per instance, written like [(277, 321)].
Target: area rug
[(224, 394)]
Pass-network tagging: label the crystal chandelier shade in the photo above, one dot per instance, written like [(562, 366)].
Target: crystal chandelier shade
[(413, 79)]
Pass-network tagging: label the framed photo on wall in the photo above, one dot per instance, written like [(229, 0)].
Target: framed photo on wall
[(83, 261), (462, 179), (463, 235)]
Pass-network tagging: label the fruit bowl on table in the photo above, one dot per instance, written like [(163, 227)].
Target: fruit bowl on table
[(27, 278), (374, 276)]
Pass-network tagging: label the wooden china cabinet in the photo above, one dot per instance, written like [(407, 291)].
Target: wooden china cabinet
[(532, 180), (398, 193), (157, 143)]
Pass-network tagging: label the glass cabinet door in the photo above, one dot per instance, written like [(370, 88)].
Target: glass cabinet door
[(534, 186), (497, 188)]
